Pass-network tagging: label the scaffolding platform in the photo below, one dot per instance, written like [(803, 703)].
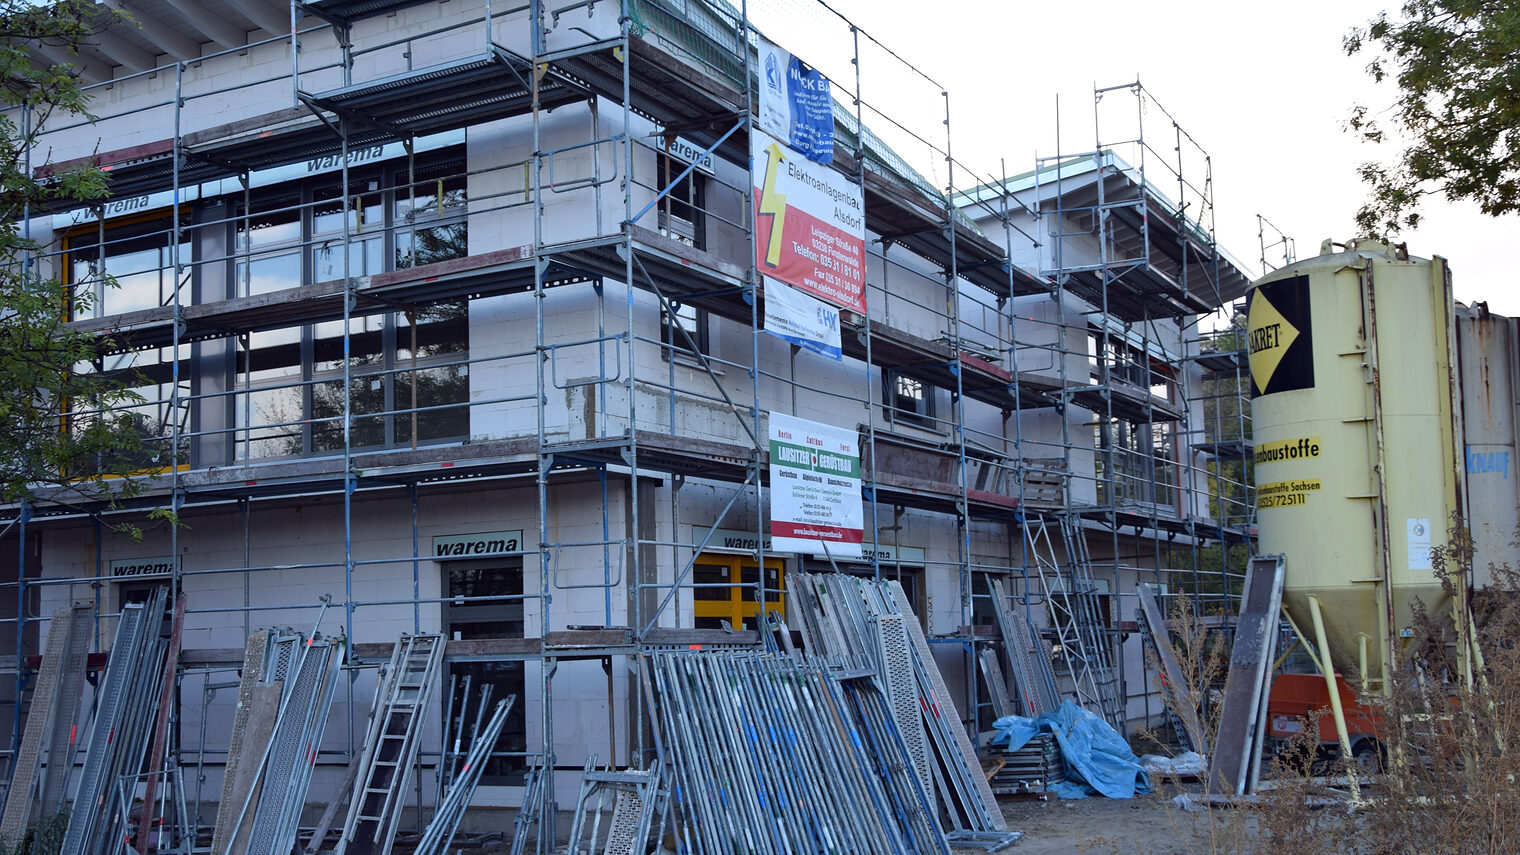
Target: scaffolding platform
[(461, 92)]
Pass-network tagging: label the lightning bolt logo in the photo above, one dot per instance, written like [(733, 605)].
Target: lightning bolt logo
[(773, 204)]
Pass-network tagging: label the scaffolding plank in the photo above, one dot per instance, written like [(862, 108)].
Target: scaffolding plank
[(61, 661), (254, 656), (991, 816), (1182, 705), (247, 782), (997, 687), (1237, 746), (64, 742)]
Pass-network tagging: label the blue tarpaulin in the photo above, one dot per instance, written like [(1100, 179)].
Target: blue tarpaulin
[(1098, 760)]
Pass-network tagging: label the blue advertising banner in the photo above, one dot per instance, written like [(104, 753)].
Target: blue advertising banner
[(796, 104)]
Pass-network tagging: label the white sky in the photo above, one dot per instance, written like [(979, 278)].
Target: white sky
[(1264, 88)]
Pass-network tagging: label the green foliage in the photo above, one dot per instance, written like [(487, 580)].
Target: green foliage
[(56, 424), (44, 837), (1458, 108)]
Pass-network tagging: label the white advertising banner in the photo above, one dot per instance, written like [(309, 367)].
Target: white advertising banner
[(809, 323), (815, 488), (810, 227)]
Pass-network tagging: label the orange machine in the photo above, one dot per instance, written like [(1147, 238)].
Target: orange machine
[(1299, 700)]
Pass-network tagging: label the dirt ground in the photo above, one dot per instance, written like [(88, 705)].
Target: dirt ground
[(1146, 825)]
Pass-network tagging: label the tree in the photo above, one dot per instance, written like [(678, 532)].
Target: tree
[(1457, 110), (60, 422)]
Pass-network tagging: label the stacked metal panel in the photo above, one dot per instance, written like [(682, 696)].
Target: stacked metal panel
[(277, 734), (769, 754), (1026, 654), (871, 621), (464, 779), (125, 702), (49, 725), (1033, 768)]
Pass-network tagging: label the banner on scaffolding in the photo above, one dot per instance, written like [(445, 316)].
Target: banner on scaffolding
[(809, 224), (796, 104), (809, 323), (815, 488)]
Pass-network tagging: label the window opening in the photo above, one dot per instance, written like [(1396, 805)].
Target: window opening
[(908, 399), (694, 321), (490, 605), (408, 377), (681, 210), (724, 590), (136, 253)]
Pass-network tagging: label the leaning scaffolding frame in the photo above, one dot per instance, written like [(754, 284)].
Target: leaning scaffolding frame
[(329, 384)]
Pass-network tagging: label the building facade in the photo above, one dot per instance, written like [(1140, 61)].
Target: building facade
[(446, 318)]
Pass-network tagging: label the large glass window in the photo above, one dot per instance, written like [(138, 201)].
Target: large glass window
[(1137, 461), (362, 211), (268, 242), (429, 215), (151, 412), (125, 266), (403, 375)]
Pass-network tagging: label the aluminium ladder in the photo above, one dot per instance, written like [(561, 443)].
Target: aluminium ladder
[(1075, 617), (390, 748)]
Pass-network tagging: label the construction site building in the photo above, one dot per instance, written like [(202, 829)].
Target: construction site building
[(446, 318)]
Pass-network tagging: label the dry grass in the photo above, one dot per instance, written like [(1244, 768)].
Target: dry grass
[(1452, 782)]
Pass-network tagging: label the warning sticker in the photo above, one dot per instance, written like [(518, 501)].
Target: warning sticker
[(1283, 494), (1278, 337), (1300, 448)]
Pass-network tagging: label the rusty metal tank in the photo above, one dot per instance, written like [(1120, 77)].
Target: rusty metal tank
[(1488, 358)]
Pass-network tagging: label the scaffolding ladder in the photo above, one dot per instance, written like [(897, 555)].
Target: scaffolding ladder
[(1075, 616), (390, 748)]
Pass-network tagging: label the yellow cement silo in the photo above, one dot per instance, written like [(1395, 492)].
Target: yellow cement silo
[(1357, 467)]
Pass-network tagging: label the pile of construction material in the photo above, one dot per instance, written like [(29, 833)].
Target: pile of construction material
[(848, 618), (773, 755), (1032, 769), (36, 787), (284, 701), (283, 705), (130, 709), (849, 743)]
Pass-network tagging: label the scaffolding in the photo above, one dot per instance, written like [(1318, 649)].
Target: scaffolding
[(489, 272)]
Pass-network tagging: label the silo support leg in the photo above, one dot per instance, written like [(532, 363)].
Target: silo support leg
[(1336, 710)]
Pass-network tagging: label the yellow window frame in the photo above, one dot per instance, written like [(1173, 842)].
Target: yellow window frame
[(723, 589)]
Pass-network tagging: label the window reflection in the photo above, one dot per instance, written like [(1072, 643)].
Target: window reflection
[(134, 272)]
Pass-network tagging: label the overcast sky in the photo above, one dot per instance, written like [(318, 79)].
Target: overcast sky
[(1263, 88)]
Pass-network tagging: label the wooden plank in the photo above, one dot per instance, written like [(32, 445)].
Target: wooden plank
[(260, 124), (447, 267), (263, 711), (106, 160)]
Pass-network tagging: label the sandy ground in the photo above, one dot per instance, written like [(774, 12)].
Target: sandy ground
[(1097, 826)]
